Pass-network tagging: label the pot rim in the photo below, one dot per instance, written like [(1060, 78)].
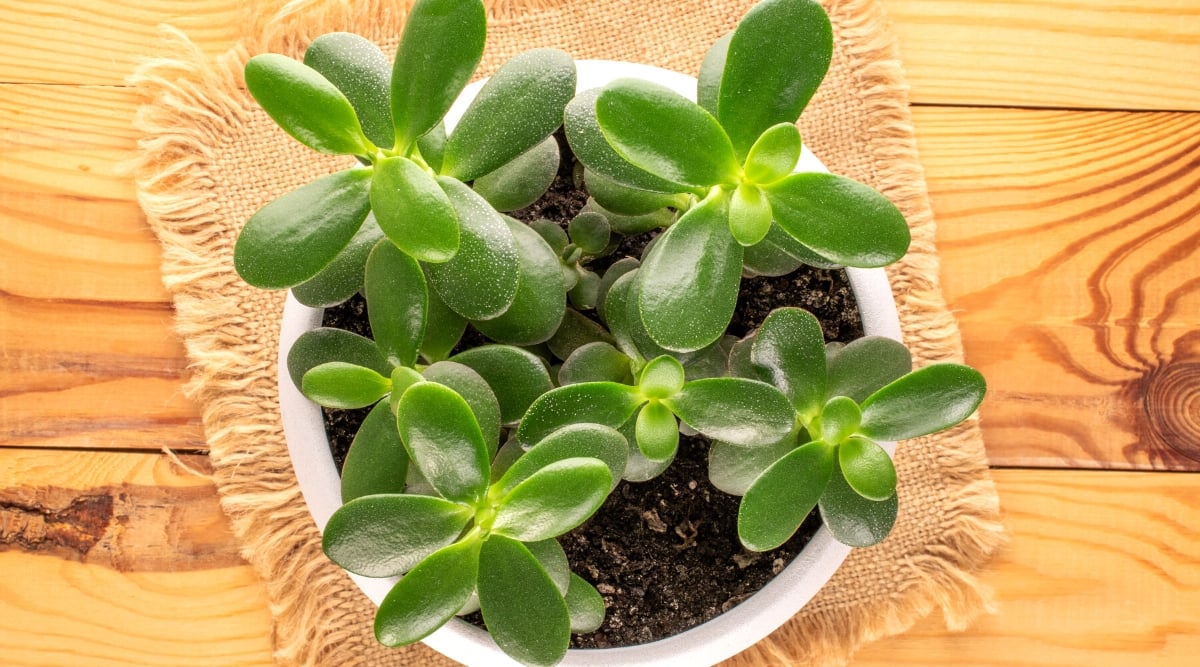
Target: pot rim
[(705, 644)]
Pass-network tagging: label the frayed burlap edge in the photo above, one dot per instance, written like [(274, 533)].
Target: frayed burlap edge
[(192, 100)]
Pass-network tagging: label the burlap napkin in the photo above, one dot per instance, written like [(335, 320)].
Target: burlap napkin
[(209, 159)]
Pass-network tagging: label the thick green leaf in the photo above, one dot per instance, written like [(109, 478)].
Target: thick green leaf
[(480, 281), (666, 134), (444, 441), (397, 302), (517, 377), (712, 361), (657, 432), (291, 239), (865, 365), (573, 440), (839, 219), (550, 555), (867, 468), (540, 300), (523, 610), (343, 277), (776, 59), (629, 225), (432, 146), (688, 285), (337, 384), (610, 277), (403, 377), (790, 349), (854, 520), (363, 73), (443, 329), (428, 596), (522, 180), (749, 214), (740, 365), (324, 344), (596, 362), (712, 68), (555, 499), (840, 418), (774, 155), (778, 254), (925, 401), (586, 292), (779, 500), (413, 211), (661, 378), (439, 49), (306, 105), (386, 535), (377, 462), (733, 468), (605, 403), (593, 150), (584, 605), (518, 107), (554, 235), (623, 316), (590, 231), (626, 200), (476, 392), (744, 412)]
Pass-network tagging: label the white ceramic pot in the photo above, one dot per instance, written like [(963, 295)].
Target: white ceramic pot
[(706, 644)]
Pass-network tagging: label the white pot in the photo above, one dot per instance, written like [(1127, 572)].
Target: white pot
[(706, 644)]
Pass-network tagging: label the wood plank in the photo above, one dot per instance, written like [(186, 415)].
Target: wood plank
[(1069, 245), (1099, 54), (1103, 569)]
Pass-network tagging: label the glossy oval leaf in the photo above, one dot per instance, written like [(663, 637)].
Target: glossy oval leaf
[(781, 498), (306, 105), (840, 418), (605, 403), (517, 377), (540, 300), (596, 362), (688, 285), (413, 210), (867, 468), (553, 500), (590, 231), (925, 401), (842, 220), (624, 319), (657, 432), (476, 392), (666, 134), (854, 520), (387, 535), (521, 181), (292, 238), (428, 596), (749, 214), (440, 48), (712, 68), (774, 155), (397, 302), (865, 365), (790, 349), (444, 441), (733, 468), (779, 254), (573, 440), (777, 57), (519, 106), (629, 225), (377, 461), (584, 605), (550, 555), (663, 377), (744, 412), (342, 278), (364, 75), (623, 199), (444, 328), (337, 384), (480, 281), (326, 344), (432, 146), (522, 608)]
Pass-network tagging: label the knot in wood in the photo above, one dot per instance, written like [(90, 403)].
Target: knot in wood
[(1172, 405)]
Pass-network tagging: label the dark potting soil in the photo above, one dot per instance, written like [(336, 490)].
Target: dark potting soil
[(664, 554)]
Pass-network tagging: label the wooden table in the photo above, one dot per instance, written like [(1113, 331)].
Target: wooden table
[(1061, 141)]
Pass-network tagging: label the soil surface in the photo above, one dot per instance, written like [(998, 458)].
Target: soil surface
[(664, 554)]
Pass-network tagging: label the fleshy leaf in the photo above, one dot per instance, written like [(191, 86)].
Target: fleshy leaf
[(865, 365), (337, 384), (839, 219), (778, 254), (342, 278), (386, 535), (480, 281), (605, 403), (624, 319), (292, 238), (925, 401), (790, 349), (689, 282), (306, 105), (516, 376), (443, 329), (439, 49), (779, 500), (518, 107), (325, 344), (522, 608), (854, 520), (553, 500), (590, 231), (661, 378), (733, 468), (774, 155), (397, 302), (432, 146), (377, 462), (749, 214), (744, 412), (867, 468), (712, 68), (596, 362), (521, 181), (573, 440), (540, 300), (666, 134), (657, 432), (428, 596), (363, 73), (840, 418), (413, 211), (550, 555), (636, 224), (777, 57), (610, 277), (476, 392), (444, 441), (585, 605), (623, 199)]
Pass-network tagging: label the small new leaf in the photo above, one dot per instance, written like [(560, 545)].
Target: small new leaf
[(337, 384)]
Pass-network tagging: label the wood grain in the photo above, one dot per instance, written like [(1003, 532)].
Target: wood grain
[(1069, 249)]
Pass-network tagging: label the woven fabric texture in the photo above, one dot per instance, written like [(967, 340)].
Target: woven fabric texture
[(209, 159)]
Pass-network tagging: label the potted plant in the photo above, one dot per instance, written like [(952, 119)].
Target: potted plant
[(480, 450)]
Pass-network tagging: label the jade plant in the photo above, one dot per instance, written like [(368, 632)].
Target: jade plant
[(519, 369)]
